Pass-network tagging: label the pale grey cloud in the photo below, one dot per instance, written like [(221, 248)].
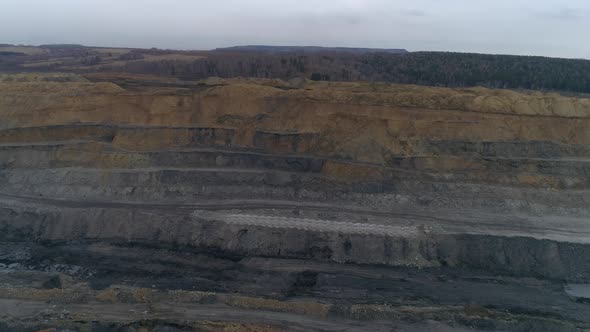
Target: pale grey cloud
[(541, 27), (566, 13), (413, 12)]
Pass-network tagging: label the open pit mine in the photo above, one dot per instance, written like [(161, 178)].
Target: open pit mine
[(137, 203)]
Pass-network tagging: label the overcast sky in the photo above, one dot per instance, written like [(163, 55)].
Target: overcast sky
[(531, 27)]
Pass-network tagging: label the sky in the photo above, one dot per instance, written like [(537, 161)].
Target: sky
[(527, 27)]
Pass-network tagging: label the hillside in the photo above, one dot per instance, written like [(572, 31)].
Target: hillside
[(307, 49), (322, 64), (133, 201)]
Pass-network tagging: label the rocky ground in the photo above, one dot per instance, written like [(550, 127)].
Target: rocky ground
[(137, 203)]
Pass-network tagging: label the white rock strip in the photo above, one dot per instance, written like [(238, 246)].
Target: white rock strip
[(313, 225)]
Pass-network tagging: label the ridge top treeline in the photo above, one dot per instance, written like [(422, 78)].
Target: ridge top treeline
[(450, 69)]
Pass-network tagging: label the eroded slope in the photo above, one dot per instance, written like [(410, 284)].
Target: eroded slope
[(199, 181)]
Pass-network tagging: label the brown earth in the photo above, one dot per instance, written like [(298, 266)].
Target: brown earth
[(210, 204)]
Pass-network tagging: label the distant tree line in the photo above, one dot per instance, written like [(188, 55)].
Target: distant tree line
[(319, 67), (464, 69), (422, 68), (8, 53)]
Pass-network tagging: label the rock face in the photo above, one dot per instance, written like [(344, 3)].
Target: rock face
[(259, 204)]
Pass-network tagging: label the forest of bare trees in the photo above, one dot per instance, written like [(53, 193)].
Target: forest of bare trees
[(422, 68)]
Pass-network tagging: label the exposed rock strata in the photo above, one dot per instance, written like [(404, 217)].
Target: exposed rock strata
[(366, 201)]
